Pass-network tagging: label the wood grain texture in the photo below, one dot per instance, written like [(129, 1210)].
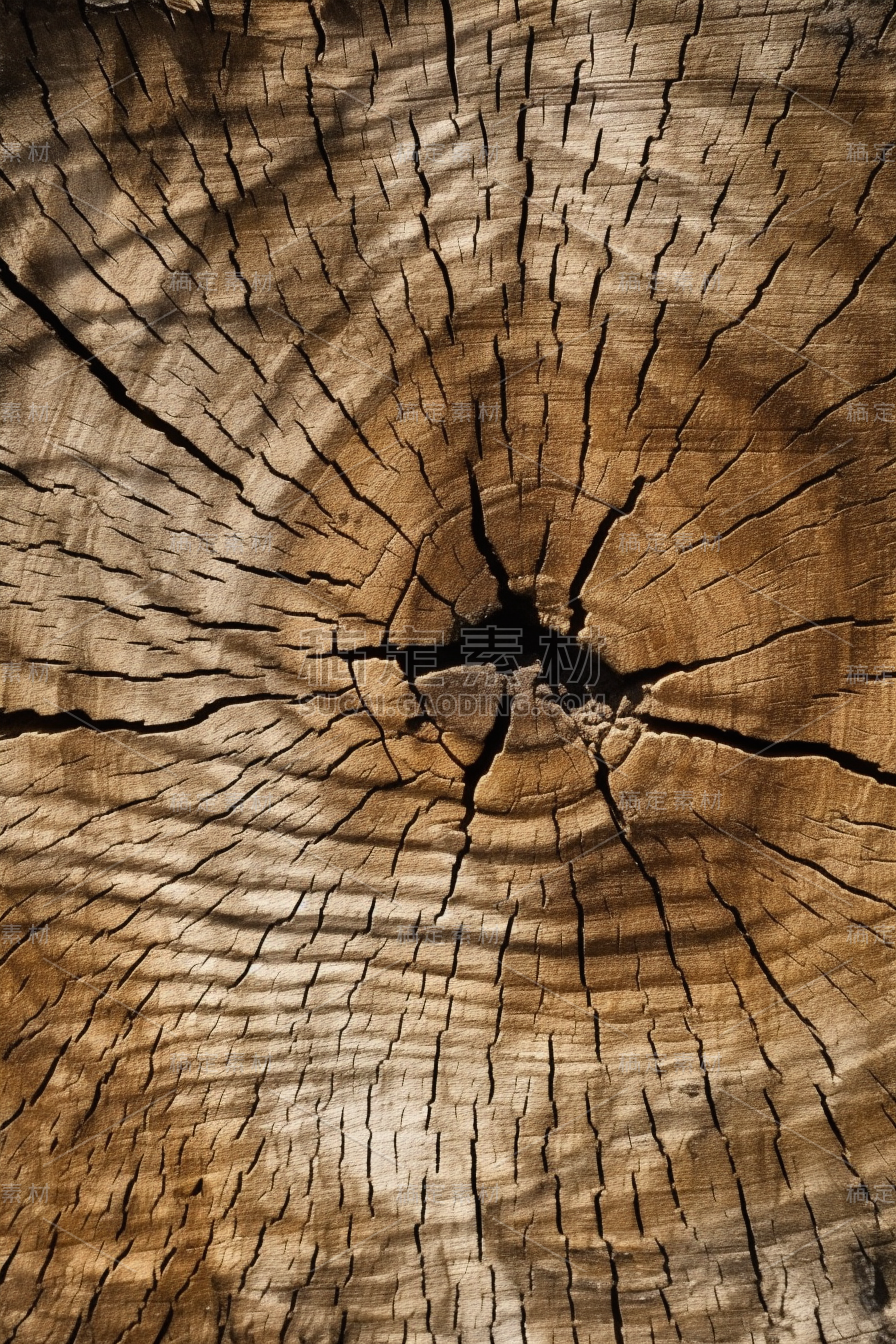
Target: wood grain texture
[(360, 988)]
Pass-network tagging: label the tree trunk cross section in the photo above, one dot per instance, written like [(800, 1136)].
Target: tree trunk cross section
[(448, 672)]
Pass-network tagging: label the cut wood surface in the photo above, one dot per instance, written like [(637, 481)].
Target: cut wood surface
[(448, 672)]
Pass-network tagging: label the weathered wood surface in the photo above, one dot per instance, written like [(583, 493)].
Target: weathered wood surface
[(633, 265)]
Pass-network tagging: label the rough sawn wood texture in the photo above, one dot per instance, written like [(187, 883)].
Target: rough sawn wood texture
[(339, 1007)]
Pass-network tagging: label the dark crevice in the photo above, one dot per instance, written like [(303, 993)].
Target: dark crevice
[(319, 30), (602, 776), (800, 861), (110, 381), (650, 676), (450, 50), (589, 559), (491, 747), (648, 361), (319, 134), (786, 749), (18, 721), (615, 1309), (441, 265), (514, 615), (589, 385), (769, 974), (751, 1244), (483, 541), (835, 1128), (511, 637)]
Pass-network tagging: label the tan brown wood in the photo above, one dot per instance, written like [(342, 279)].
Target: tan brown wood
[(372, 971)]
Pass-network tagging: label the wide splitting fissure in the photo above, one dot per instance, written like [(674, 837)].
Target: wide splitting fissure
[(570, 666), (510, 639)]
